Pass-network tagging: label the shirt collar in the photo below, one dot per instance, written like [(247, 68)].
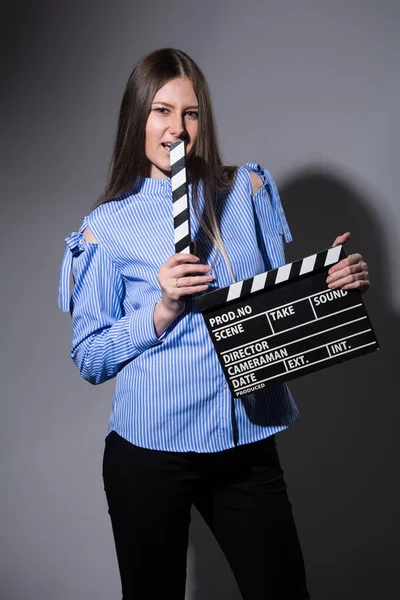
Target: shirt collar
[(152, 185)]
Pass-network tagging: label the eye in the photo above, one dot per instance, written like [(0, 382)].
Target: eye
[(192, 114), (161, 110)]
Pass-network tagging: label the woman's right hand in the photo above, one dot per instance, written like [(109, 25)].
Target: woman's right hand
[(180, 276)]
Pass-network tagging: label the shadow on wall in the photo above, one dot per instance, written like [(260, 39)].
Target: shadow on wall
[(340, 458)]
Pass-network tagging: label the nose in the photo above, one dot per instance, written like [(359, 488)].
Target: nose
[(177, 126)]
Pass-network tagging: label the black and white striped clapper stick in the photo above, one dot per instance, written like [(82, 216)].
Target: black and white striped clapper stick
[(180, 200), (265, 281)]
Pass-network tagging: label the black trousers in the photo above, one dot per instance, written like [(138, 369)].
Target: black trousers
[(240, 493)]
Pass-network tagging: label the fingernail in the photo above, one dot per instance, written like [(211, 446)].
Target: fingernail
[(329, 279)]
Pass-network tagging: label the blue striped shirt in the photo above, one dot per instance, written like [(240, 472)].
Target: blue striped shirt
[(170, 391)]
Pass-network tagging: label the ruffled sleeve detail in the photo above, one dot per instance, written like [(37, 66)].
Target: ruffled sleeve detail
[(75, 246), (272, 190)]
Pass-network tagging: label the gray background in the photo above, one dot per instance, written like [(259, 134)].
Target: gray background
[(310, 89)]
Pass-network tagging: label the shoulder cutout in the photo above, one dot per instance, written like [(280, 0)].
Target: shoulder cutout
[(89, 237), (256, 182)]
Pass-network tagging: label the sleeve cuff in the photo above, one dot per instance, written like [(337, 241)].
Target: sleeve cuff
[(142, 332)]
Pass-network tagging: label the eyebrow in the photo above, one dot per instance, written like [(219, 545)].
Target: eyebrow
[(172, 106)]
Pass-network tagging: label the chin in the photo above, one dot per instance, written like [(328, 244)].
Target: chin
[(165, 169)]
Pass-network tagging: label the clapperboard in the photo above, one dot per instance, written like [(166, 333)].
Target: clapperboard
[(285, 323)]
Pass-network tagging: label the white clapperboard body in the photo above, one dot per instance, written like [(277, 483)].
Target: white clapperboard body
[(285, 323)]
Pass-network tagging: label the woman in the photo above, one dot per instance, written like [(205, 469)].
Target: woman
[(176, 435)]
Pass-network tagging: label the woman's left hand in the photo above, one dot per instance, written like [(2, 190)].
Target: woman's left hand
[(351, 273)]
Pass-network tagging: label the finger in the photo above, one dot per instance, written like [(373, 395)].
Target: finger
[(355, 258), (188, 269), (189, 290), (181, 258), (361, 286), (341, 239), (349, 260), (350, 270), (338, 284), (193, 281)]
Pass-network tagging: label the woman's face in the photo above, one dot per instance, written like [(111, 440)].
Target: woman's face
[(173, 116)]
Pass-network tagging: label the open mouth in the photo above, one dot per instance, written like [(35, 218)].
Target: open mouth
[(167, 146)]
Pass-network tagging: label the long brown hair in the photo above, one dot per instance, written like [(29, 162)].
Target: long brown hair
[(129, 161)]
